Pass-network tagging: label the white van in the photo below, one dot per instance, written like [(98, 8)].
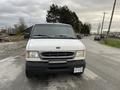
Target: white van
[(54, 48)]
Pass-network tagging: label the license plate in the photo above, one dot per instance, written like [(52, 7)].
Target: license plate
[(78, 70)]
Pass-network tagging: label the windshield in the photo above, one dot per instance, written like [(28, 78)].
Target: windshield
[(53, 31)]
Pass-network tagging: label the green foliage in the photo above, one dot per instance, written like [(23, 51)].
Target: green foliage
[(111, 42), (53, 14), (20, 27), (86, 28), (64, 15)]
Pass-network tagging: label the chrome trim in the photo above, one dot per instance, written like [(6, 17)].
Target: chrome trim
[(58, 57), (57, 62)]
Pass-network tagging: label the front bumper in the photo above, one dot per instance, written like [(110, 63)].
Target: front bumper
[(45, 67)]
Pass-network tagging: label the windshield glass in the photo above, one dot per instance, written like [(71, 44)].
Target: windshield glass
[(53, 31)]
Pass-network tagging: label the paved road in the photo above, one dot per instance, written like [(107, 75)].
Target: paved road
[(102, 72)]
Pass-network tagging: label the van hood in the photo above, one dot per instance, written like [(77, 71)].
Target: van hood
[(55, 45)]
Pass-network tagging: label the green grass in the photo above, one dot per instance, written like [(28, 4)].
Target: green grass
[(111, 42), (16, 38)]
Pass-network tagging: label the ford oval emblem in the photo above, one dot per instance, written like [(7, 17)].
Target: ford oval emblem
[(57, 47)]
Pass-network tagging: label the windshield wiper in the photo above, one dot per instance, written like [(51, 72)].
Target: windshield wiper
[(40, 35), (65, 36)]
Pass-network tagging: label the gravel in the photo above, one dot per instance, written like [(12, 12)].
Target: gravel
[(9, 48)]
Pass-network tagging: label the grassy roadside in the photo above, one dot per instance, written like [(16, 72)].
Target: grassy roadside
[(111, 42), (14, 38)]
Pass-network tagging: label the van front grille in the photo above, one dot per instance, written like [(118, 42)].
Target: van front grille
[(57, 55)]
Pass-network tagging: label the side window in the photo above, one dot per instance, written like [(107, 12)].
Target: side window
[(28, 32)]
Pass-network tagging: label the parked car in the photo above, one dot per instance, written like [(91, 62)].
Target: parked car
[(28, 32), (54, 48), (97, 38), (119, 36), (102, 36), (79, 36)]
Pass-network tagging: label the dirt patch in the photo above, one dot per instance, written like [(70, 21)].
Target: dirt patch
[(12, 48)]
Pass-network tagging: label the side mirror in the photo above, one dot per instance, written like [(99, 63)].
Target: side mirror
[(27, 35), (79, 37)]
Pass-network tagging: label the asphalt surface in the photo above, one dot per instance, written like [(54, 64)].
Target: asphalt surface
[(102, 72)]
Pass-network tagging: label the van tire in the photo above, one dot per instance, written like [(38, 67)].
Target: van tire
[(28, 74)]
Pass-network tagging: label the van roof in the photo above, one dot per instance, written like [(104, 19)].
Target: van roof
[(54, 24)]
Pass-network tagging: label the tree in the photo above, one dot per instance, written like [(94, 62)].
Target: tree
[(63, 15), (21, 26), (53, 14), (86, 28)]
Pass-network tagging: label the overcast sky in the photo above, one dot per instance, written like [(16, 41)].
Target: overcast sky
[(34, 11)]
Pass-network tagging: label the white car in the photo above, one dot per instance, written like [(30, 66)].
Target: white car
[(54, 48), (97, 38)]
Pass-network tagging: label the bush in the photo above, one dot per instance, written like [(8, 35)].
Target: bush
[(111, 42), (20, 27)]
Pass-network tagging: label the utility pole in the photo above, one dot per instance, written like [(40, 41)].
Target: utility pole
[(98, 30), (111, 17), (103, 23)]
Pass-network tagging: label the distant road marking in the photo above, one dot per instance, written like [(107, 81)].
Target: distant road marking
[(112, 58), (69, 81), (90, 74), (7, 43), (8, 59), (9, 71)]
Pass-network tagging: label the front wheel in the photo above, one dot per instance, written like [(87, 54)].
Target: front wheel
[(28, 73)]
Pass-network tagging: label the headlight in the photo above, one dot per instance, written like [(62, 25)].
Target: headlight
[(80, 54), (32, 54)]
